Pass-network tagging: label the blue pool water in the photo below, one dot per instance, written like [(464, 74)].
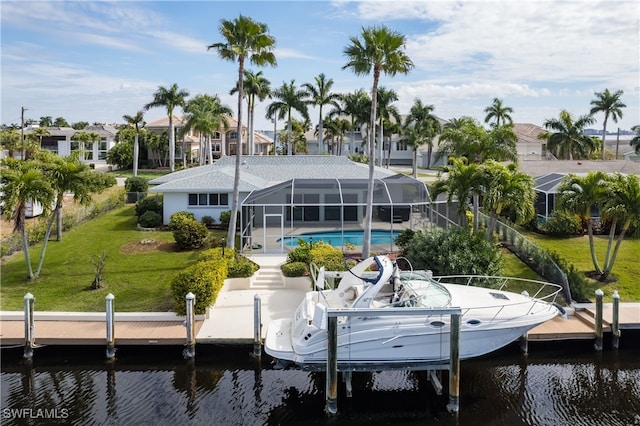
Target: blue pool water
[(335, 238)]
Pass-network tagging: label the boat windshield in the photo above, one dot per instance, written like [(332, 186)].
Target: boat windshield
[(420, 292)]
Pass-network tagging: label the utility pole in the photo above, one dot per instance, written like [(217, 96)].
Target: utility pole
[(22, 132)]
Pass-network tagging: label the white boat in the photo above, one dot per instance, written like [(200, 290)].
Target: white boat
[(491, 317)]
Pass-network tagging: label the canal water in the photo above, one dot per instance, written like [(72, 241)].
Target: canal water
[(556, 384)]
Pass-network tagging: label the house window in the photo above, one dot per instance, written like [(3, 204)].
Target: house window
[(233, 135), (84, 150), (102, 149), (217, 135), (332, 212), (205, 199), (216, 147), (303, 212), (401, 146)]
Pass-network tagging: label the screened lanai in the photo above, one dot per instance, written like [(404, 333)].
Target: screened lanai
[(332, 210)]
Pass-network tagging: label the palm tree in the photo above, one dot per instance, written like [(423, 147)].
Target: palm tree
[(498, 112), (206, 114), (357, 105), (424, 119), (380, 50), (41, 132), (622, 205), (462, 178), (136, 121), (611, 105), (465, 137), (578, 195), (289, 98), (46, 121), (386, 111), (506, 187), (254, 85), (244, 39), (170, 99), (85, 142), (60, 122), (24, 182), (320, 94), (635, 142), (569, 138), (10, 140)]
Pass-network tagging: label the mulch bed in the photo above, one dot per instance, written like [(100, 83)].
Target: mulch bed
[(145, 246)]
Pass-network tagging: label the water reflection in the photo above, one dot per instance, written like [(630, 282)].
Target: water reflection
[(226, 386)]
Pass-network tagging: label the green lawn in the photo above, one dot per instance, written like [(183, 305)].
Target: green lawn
[(139, 281), (147, 174), (576, 251)]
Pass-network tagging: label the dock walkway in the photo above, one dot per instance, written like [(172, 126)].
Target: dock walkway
[(231, 319)]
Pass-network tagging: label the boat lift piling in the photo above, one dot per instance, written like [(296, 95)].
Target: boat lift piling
[(598, 326), (257, 326), (190, 348), (111, 342), (615, 325), (29, 327), (332, 366)]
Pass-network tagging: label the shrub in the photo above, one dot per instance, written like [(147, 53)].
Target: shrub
[(300, 253), (153, 204), (178, 218), (454, 251), (403, 240), (295, 269), (150, 219), (323, 254), (136, 184), (225, 218), (241, 267), (208, 221), (190, 235), (562, 224), (204, 279)]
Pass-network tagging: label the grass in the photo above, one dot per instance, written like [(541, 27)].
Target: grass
[(144, 173), (576, 250), (140, 281)]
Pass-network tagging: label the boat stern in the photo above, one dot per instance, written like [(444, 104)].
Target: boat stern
[(278, 342)]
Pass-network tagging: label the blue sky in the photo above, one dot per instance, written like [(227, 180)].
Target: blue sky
[(96, 61)]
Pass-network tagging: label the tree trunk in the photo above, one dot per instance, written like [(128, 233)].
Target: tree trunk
[(366, 239), (604, 134), (592, 247), (172, 145), (136, 154), (25, 250), (231, 234)]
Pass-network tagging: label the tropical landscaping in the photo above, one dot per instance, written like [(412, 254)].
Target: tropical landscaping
[(481, 164)]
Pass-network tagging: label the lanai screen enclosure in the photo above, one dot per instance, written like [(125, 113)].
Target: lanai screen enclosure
[(296, 206)]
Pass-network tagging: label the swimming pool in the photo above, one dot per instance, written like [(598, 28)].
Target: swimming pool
[(335, 238)]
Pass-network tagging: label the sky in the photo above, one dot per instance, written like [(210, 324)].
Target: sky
[(97, 61)]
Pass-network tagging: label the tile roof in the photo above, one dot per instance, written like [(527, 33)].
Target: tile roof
[(259, 172)]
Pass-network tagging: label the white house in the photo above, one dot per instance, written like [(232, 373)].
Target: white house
[(287, 193), (60, 141)]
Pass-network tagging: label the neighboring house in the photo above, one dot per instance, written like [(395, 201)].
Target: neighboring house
[(223, 142), (528, 143), (548, 176), (287, 192), (60, 141)]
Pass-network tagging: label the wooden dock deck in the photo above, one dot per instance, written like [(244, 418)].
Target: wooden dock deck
[(160, 329), (581, 324)]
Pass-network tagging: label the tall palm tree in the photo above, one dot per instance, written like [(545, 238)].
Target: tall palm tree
[(169, 98), (289, 98), (611, 105), (206, 114), (578, 195), (24, 182), (320, 94), (136, 121), (635, 141), (498, 112), (356, 105), (255, 85), (379, 50), (622, 205), (41, 132), (244, 39), (424, 119), (386, 112), (569, 138)]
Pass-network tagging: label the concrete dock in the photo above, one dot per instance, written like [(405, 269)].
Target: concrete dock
[(231, 319)]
